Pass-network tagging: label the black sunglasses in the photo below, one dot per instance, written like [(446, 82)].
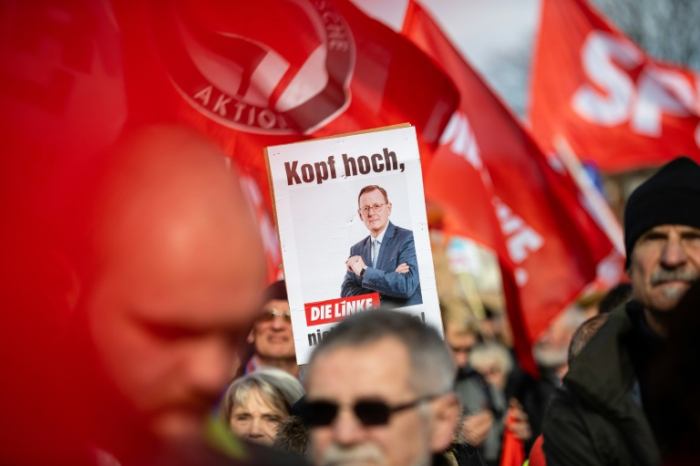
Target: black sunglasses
[(370, 412)]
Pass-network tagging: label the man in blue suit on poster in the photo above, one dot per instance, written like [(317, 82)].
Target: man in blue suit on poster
[(385, 261)]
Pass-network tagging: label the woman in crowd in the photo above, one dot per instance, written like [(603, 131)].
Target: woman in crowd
[(254, 405), (493, 361)]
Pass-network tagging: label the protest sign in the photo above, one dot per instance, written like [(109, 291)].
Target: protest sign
[(329, 209)]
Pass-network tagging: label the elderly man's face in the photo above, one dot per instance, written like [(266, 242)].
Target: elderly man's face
[(378, 371), (272, 333), (374, 211), (664, 261)]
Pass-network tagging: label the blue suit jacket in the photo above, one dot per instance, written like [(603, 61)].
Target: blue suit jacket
[(395, 289)]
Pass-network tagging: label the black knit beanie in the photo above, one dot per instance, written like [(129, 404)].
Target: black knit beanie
[(670, 197)]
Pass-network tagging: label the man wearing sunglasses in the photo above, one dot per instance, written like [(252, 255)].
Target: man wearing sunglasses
[(271, 335), (385, 261), (379, 391)]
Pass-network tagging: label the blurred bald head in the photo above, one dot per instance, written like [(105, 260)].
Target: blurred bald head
[(176, 275)]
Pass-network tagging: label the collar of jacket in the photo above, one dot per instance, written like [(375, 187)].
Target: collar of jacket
[(603, 376)]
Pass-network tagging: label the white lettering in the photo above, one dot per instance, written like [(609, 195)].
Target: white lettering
[(521, 276), (461, 139), (266, 119), (522, 243), (521, 239), (660, 90), (204, 95), (220, 105), (612, 105), (239, 109)]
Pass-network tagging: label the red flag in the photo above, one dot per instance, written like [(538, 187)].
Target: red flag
[(254, 74), (513, 451), (548, 243), (600, 92)]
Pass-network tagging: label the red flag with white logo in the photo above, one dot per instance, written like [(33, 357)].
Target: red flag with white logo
[(598, 91), (548, 243), (254, 74), (269, 72)]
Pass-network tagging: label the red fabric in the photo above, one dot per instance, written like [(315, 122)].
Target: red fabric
[(613, 104), (513, 452), (306, 69), (537, 457), (491, 173), (255, 74)]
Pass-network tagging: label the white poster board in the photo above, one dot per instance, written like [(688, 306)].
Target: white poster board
[(315, 189)]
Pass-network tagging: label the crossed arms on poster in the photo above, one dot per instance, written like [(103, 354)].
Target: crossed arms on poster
[(395, 273)]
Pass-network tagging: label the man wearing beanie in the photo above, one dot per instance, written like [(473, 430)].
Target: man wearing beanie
[(600, 414)]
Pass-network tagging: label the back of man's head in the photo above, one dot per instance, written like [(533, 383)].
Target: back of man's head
[(432, 366), (551, 349)]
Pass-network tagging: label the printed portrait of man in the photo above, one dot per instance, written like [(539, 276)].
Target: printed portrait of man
[(385, 261)]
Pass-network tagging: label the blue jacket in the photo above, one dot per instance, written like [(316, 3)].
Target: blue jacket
[(395, 289)]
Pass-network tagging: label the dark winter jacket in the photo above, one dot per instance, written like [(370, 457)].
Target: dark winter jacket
[(596, 417)]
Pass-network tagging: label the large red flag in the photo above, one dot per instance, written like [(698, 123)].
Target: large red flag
[(253, 74), (548, 243), (247, 74), (595, 89)]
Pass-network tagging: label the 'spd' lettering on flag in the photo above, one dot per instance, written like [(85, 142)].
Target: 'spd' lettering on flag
[(335, 310)]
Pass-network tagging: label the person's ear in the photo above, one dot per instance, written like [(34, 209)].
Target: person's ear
[(359, 214), (446, 412), (251, 335), (389, 207)]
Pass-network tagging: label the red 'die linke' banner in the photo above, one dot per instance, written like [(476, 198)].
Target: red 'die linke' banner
[(335, 310), (548, 244), (599, 91)]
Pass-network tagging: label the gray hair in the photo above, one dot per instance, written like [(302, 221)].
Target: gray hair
[(276, 387), (484, 353), (572, 318), (432, 365)]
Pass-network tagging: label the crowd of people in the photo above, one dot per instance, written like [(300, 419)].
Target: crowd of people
[(170, 351)]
